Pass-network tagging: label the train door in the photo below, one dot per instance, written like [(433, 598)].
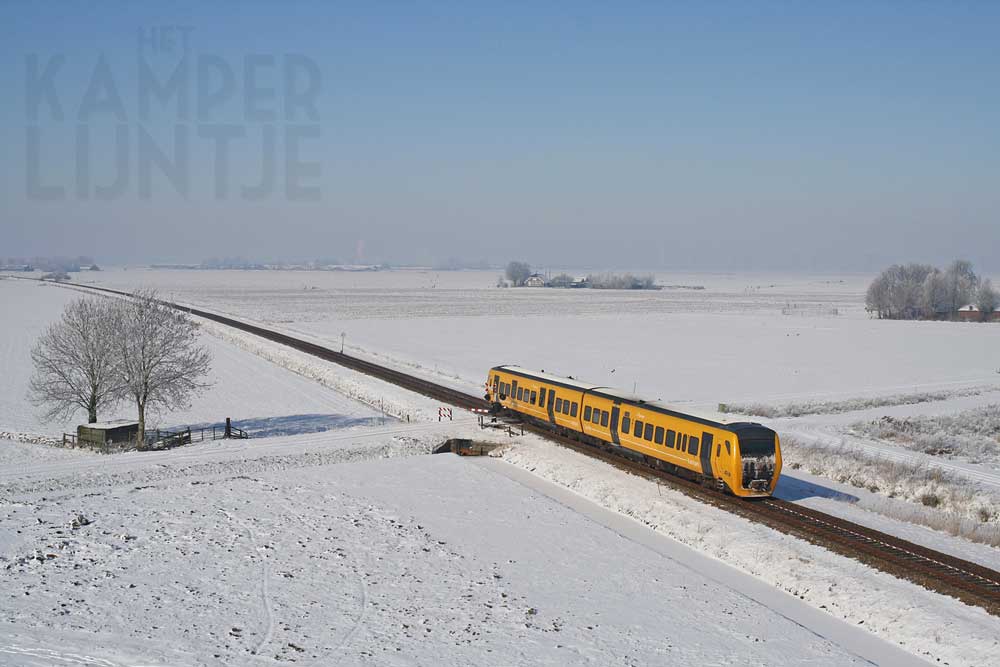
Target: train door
[(706, 454), (615, 413), (551, 406)]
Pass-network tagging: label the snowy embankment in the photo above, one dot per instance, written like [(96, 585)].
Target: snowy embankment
[(899, 611), (929, 495)]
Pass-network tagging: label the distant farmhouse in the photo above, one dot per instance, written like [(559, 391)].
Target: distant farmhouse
[(970, 313), (535, 280)]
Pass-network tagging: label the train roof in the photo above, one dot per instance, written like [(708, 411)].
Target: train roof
[(548, 377), (629, 398)]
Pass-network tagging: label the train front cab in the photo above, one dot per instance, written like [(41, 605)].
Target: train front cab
[(757, 460)]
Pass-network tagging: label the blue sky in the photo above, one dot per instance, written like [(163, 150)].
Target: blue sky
[(664, 135)]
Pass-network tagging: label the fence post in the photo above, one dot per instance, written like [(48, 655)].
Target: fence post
[(229, 428)]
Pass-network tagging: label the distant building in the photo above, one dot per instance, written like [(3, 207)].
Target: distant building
[(535, 280), (580, 281), (970, 313)]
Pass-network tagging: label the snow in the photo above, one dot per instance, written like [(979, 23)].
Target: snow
[(908, 614), (727, 343), (251, 556)]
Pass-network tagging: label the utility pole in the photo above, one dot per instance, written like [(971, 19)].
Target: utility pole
[(343, 335)]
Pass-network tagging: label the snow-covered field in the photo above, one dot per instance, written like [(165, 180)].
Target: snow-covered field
[(730, 342), (322, 549)]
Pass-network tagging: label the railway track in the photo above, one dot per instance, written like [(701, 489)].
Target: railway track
[(969, 582)]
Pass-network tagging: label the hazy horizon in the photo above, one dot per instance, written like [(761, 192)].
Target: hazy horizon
[(760, 136)]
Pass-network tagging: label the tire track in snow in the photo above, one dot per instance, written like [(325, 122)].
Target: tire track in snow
[(265, 587), (364, 602)]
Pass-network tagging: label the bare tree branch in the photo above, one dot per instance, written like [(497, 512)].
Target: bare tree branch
[(76, 366), (162, 364)]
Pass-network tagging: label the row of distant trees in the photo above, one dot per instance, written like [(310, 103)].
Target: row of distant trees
[(104, 351), (50, 264), (915, 291), (519, 272)]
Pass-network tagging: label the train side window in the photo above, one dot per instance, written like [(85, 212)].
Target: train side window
[(588, 412), (637, 432), (566, 406), (534, 397), (658, 435), (573, 409), (598, 415), (626, 423), (682, 442), (604, 417), (520, 393), (541, 396), (648, 433), (558, 404), (693, 446), (671, 436), (718, 450), (729, 449)]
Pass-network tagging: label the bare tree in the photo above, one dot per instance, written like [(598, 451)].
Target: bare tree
[(898, 292), (937, 296), (76, 362), (162, 363), (518, 273), (987, 299), (962, 284)]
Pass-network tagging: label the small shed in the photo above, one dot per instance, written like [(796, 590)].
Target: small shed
[(107, 434)]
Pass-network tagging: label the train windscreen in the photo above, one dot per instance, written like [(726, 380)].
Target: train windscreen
[(757, 446)]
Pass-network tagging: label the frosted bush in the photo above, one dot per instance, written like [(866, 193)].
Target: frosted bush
[(933, 498), (972, 434), (849, 405)]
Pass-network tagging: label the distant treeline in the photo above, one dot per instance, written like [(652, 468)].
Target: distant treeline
[(49, 264), (519, 274), (622, 281), (921, 291)]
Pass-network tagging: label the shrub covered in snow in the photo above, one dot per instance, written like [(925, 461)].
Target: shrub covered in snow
[(934, 498), (972, 434), (849, 405)]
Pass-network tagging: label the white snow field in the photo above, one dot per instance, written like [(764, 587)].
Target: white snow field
[(388, 321), (353, 549)]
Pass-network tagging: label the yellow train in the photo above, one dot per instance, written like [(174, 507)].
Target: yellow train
[(743, 458)]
